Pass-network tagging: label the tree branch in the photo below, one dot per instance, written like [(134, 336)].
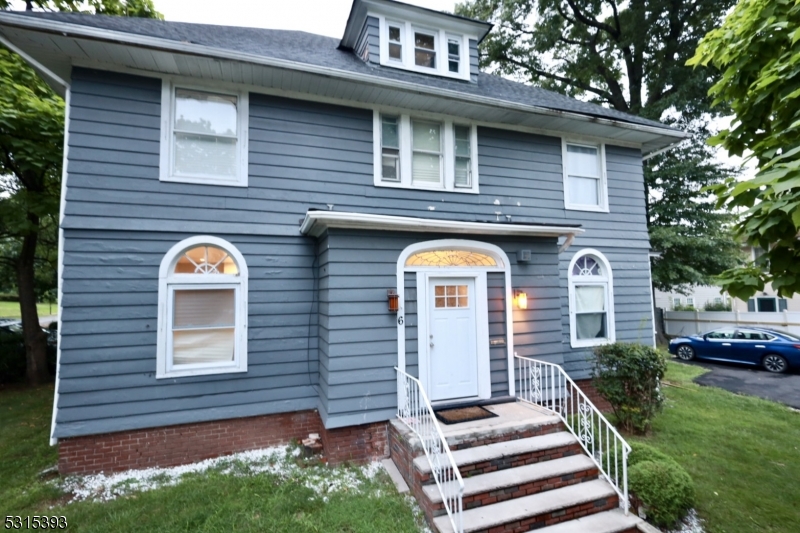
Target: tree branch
[(594, 23), (555, 77)]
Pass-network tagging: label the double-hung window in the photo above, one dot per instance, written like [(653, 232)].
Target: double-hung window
[(204, 136), (584, 177), (591, 300), (453, 54), (202, 309), (422, 153), (424, 49), (395, 42), (421, 48)]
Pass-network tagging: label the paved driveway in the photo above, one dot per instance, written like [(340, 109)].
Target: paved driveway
[(783, 388)]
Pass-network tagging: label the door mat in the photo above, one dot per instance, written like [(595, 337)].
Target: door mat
[(463, 414)]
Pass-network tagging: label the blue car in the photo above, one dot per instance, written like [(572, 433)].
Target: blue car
[(774, 350)]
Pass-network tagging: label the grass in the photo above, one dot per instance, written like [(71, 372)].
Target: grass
[(11, 309), (742, 452), (214, 501)]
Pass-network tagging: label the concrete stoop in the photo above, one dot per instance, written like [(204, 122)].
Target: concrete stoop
[(519, 475)]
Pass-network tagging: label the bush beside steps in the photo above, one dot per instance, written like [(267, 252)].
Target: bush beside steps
[(662, 485)]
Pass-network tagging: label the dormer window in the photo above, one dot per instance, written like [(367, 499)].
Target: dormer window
[(424, 49), (453, 54), (395, 42), (410, 46)]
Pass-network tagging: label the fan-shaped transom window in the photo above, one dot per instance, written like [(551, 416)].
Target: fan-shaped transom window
[(591, 300), (203, 309), (452, 258), (206, 260), (587, 266)]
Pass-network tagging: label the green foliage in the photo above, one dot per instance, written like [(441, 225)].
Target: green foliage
[(682, 307), (631, 57), (642, 452), (629, 375), (664, 487), (126, 8), (721, 306), (757, 52)]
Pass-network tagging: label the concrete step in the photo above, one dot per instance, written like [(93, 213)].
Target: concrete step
[(523, 480), (508, 454), (532, 512), (607, 522)]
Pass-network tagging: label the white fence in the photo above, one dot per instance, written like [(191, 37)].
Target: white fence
[(678, 323)]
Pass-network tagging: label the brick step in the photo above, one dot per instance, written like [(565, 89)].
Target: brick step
[(606, 522), (537, 510), (501, 485), (507, 454)]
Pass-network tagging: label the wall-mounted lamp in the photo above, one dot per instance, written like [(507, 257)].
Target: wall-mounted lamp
[(521, 297), (394, 300)]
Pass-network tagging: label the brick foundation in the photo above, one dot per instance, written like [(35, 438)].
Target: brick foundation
[(591, 392), (188, 443)]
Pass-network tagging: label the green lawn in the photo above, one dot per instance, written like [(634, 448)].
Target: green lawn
[(742, 452), (11, 309), (210, 502)]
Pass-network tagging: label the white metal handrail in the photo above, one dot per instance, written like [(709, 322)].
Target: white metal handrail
[(414, 410), (547, 385)]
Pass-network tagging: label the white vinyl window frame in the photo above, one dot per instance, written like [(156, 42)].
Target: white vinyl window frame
[(602, 177), (405, 180), (167, 145), (170, 282), (442, 37), (607, 282)]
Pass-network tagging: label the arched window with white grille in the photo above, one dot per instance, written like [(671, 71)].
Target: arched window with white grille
[(202, 309), (591, 300)]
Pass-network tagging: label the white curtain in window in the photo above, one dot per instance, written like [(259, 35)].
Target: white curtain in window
[(582, 161), (590, 326), (203, 326), (590, 298), (584, 191), (590, 306)]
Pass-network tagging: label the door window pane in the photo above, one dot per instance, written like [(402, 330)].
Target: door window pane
[(424, 50), (451, 296)]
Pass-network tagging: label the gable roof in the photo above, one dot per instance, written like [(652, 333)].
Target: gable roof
[(318, 50)]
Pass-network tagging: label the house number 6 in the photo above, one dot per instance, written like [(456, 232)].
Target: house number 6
[(400, 320)]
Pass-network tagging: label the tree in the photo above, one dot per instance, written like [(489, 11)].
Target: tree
[(31, 142), (757, 52), (631, 56)]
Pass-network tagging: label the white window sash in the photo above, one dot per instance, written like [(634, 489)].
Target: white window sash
[(601, 177), (167, 171)]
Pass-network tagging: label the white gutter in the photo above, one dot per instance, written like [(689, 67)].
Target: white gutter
[(316, 222), (65, 29)]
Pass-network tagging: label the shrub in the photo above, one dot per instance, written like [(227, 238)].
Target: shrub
[(642, 452), (665, 488), (681, 307), (628, 375), (720, 306)]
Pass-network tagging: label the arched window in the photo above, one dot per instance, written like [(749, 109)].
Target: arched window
[(202, 309), (591, 300), (451, 258)]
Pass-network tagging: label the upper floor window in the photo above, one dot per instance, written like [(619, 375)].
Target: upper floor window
[(591, 300), (585, 186), (408, 46), (204, 136), (202, 311), (422, 153)]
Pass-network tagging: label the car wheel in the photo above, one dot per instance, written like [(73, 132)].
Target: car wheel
[(685, 352), (775, 363)]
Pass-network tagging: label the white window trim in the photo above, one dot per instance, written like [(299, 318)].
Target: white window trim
[(608, 283), (442, 35), (448, 154), (169, 282), (601, 150), (168, 87)]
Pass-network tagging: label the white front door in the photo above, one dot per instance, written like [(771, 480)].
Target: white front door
[(452, 342)]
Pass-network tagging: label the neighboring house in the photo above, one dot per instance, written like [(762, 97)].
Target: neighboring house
[(767, 301), (258, 226)]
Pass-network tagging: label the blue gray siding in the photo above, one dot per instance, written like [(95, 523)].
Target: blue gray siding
[(368, 45), (108, 336), (120, 220), (474, 61)]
